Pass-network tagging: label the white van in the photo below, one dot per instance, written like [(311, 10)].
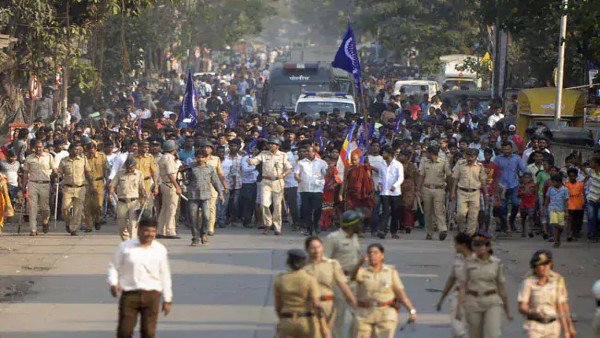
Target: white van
[(416, 87), (312, 104)]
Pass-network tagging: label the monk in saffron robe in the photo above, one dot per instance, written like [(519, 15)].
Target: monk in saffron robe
[(357, 187)]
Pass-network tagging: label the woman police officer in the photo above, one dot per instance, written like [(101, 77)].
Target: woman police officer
[(328, 273), (378, 288), (297, 301), (482, 291), (543, 300)]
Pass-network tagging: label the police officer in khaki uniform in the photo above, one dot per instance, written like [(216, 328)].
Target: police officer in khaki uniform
[(434, 173), (129, 185), (74, 170), (482, 292), (145, 164), (297, 302), (169, 189), (378, 292), (468, 177), (36, 177), (543, 300), (329, 274), (343, 246), (94, 195), (464, 249), (275, 166), (215, 162)]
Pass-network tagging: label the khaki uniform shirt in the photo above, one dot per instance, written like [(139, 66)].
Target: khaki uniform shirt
[(74, 170), (145, 164), (296, 290), (469, 176), (39, 168), (344, 249), (129, 185), (544, 299), (328, 273), (98, 166), (166, 166), (482, 276), (434, 173), (377, 286), (215, 162), (273, 165)]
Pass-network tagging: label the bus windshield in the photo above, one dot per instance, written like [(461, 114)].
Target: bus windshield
[(312, 109), (288, 94)]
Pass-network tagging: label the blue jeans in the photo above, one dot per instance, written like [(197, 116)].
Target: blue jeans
[(234, 204), (593, 209), (375, 214), (247, 202), (198, 213), (222, 210), (510, 197)]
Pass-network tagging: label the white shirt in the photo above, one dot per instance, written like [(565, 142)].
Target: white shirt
[(391, 175), (135, 267), (290, 180), (249, 172), (117, 164), (143, 114), (59, 157), (375, 161), (494, 118), (232, 167), (312, 175)]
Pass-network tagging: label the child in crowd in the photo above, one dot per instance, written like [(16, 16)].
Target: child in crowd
[(541, 177), (575, 206), (527, 194), (556, 202)]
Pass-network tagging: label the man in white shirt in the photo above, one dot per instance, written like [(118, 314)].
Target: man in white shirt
[(290, 187), (495, 117), (140, 272), (121, 157), (375, 160), (232, 170), (142, 113), (310, 175), (391, 176), (248, 192)]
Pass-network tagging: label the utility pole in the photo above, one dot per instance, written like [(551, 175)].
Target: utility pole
[(561, 62), (66, 68)]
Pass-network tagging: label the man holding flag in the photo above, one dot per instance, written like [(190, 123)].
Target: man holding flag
[(188, 116)]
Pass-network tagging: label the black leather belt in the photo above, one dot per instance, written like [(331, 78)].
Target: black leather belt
[(127, 200), (74, 186), (542, 320), (41, 182), (99, 179), (147, 178), (468, 190), (296, 314)]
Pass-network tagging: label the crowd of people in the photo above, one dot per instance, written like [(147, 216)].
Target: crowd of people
[(418, 162)]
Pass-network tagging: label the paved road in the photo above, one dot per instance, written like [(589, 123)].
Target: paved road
[(54, 285)]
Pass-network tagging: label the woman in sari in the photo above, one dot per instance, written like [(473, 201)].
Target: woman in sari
[(357, 187), (331, 190), (6, 208)]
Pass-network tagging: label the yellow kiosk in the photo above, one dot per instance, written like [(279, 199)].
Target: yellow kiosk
[(539, 105)]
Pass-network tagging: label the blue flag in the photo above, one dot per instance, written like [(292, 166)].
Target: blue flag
[(399, 120), (252, 145), (347, 59), (232, 120), (362, 141), (319, 138), (263, 132), (283, 113), (188, 117)]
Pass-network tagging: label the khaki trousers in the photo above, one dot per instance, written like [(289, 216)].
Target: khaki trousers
[(212, 209), (434, 203), (468, 206), (149, 204), (39, 200), (540, 330), (272, 194), (341, 308), (459, 327), (301, 327), (94, 201), (385, 329), (127, 219), (72, 198), (168, 210), (485, 324)]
